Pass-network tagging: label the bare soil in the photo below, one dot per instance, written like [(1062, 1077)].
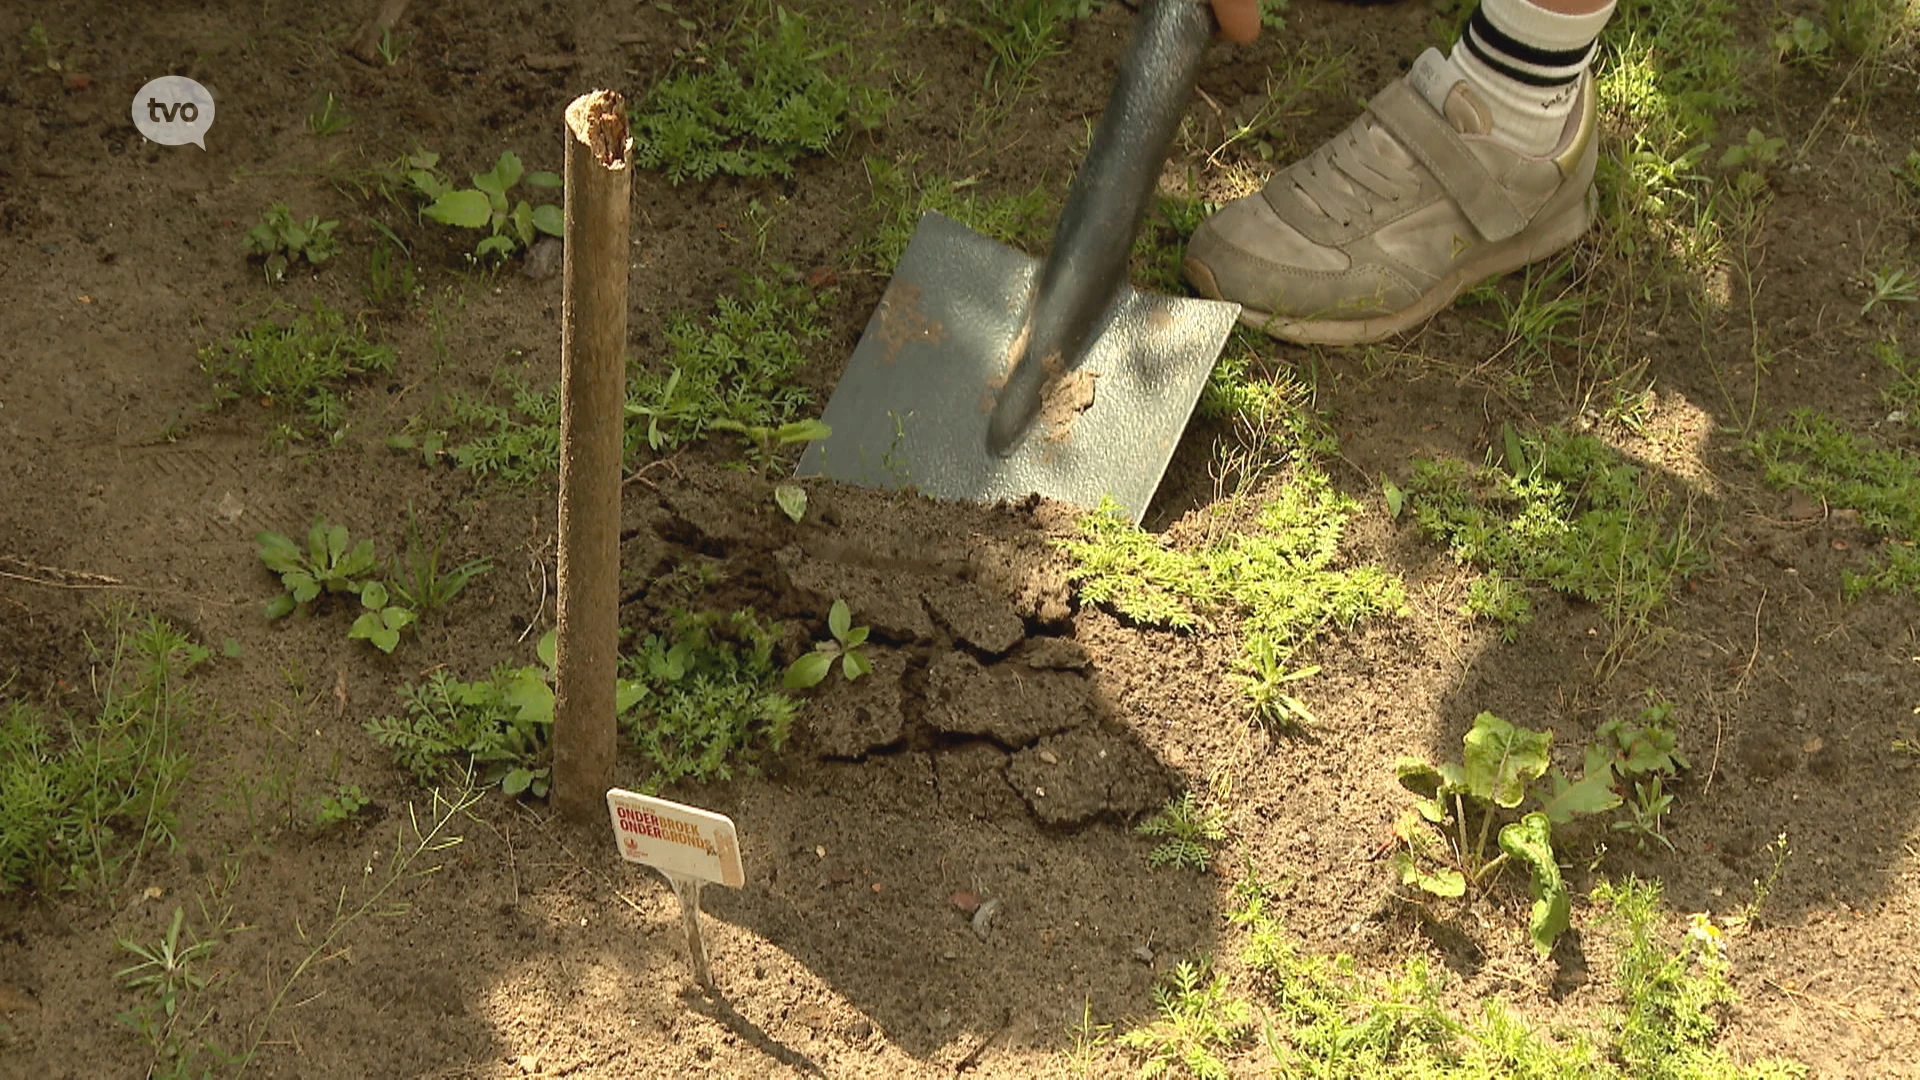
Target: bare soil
[(1010, 734)]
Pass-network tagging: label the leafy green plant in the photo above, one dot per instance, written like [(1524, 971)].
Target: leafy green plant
[(713, 697), (391, 279), (83, 799), (381, 623), (1903, 394), (1564, 511), (792, 501), (902, 195), (845, 646), (1275, 582), (390, 47), (489, 205), (515, 444), (1757, 149), (1497, 773), (733, 370), (168, 978), (330, 117), (1802, 41), (751, 107), (1020, 35), (1199, 1023), (1891, 285), (279, 240), (499, 730), (419, 581), (41, 42), (765, 442), (330, 564), (300, 364), (1323, 1017), (1187, 829), (343, 805), (1811, 453)]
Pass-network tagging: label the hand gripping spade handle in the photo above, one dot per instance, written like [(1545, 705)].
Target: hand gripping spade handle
[(1087, 264)]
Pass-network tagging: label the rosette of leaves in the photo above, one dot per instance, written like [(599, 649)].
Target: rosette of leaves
[(489, 204), (328, 565)]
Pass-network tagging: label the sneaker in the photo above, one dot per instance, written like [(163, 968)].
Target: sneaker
[(1411, 205)]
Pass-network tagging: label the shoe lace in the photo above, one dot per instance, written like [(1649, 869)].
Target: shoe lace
[(1351, 175)]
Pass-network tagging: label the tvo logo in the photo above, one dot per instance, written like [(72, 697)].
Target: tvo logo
[(173, 110)]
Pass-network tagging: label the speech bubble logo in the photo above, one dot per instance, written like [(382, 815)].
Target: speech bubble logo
[(173, 110)]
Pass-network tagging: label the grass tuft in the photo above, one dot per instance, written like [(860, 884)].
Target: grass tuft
[(1564, 511), (752, 107), (84, 798), (300, 365), (1813, 454)]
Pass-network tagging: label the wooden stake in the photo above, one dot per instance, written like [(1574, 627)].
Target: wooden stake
[(593, 340)]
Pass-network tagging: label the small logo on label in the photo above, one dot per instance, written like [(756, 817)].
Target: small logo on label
[(1460, 244)]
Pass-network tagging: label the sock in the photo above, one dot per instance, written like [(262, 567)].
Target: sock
[(1526, 63)]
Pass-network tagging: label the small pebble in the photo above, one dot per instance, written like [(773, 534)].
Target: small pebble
[(983, 918)]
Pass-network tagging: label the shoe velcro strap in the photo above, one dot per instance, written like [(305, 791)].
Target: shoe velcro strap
[(1428, 137)]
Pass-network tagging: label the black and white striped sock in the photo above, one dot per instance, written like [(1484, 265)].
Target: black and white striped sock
[(1526, 63)]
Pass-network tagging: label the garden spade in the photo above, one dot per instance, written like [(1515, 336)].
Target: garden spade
[(985, 374)]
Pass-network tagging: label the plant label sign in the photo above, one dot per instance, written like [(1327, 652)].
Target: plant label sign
[(676, 839)]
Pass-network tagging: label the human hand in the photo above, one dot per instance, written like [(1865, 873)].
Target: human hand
[(1239, 19)]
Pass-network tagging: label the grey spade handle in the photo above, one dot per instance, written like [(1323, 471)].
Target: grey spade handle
[(1087, 265)]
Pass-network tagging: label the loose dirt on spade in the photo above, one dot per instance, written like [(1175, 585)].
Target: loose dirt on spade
[(1010, 734)]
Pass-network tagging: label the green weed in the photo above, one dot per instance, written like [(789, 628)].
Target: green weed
[(330, 564), (1812, 454), (419, 580), (1800, 40), (753, 106), (1672, 1000), (1891, 285), (712, 699), (1020, 35), (1200, 1023), (1272, 404), (302, 364), (731, 370), (489, 204), (1500, 770), (498, 731), (1330, 1021), (1274, 582), (391, 279), (845, 645), (381, 624), (1564, 511), (901, 196), (1903, 395), (40, 42), (515, 445), (330, 117), (169, 981), (1188, 829), (83, 799), (279, 240), (345, 804), (736, 365)]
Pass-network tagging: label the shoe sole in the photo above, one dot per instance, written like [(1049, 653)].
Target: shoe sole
[(1499, 261)]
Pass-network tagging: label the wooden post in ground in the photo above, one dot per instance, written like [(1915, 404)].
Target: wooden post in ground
[(593, 342)]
